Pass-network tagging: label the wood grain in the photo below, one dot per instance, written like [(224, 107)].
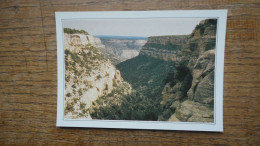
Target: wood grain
[(28, 75)]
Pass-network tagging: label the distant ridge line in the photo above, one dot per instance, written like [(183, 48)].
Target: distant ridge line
[(121, 37)]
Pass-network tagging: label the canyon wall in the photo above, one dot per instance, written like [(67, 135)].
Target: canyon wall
[(88, 75), (164, 47), (189, 92)]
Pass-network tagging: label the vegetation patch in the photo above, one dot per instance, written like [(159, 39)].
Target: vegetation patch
[(125, 107), (210, 45), (201, 27), (68, 94), (98, 77), (193, 46), (73, 31), (82, 105), (168, 46), (80, 92), (69, 107)]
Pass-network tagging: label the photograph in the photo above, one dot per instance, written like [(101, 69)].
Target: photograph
[(144, 69)]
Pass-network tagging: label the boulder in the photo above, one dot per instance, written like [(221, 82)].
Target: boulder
[(205, 90), (190, 111)]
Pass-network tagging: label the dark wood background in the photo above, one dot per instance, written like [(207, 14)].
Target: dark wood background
[(28, 75)]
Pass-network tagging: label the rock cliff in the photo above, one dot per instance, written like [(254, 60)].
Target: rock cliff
[(88, 75), (189, 91), (164, 47)]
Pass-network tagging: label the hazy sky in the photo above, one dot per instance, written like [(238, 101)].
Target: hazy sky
[(135, 27)]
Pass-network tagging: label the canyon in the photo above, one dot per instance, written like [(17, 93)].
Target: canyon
[(178, 71), (163, 78)]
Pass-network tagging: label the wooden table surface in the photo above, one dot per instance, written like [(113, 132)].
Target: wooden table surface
[(28, 75)]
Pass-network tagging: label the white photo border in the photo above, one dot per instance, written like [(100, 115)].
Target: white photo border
[(217, 126)]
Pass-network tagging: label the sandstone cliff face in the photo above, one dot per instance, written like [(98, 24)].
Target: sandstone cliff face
[(189, 96), (164, 47), (74, 42), (88, 75)]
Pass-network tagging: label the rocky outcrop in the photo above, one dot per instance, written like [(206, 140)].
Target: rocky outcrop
[(164, 47), (88, 75), (202, 89), (191, 111), (190, 97), (74, 42)]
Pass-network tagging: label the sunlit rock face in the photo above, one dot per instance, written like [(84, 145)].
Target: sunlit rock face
[(164, 47), (88, 74)]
